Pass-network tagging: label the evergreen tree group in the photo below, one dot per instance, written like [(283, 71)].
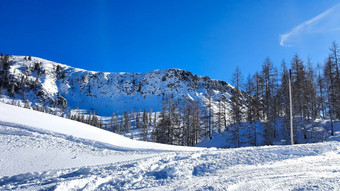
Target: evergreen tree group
[(315, 94)]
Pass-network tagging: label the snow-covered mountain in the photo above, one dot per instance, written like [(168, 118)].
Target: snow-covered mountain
[(53, 84), (40, 151)]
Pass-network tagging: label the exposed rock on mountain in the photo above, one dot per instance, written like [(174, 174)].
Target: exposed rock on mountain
[(57, 85)]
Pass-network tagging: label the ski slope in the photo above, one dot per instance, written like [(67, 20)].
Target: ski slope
[(42, 151)]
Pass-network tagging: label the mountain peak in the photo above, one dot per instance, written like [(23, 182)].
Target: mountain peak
[(56, 83)]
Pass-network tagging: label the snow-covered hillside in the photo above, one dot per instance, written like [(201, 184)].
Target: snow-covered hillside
[(61, 139), (307, 131), (53, 84), (42, 151)]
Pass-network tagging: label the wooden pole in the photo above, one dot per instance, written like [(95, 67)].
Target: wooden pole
[(291, 108)]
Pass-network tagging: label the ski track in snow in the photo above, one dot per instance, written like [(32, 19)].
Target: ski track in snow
[(37, 158), (52, 150), (313, 167)]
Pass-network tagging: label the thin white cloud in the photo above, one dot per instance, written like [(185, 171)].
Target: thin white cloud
[(328, 21)]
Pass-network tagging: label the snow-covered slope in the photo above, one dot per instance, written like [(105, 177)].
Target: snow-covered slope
[(58, 142), (52, 84), (315, 131), (50, 124), (41, 151)]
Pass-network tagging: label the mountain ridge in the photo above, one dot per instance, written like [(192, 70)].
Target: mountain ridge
[(107, 92)]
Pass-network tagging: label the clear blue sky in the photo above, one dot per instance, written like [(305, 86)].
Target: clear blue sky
[(205, 37)]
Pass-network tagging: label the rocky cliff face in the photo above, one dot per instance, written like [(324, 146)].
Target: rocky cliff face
[(57, 85)]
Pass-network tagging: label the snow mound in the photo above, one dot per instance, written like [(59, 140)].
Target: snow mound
[(76, 131)]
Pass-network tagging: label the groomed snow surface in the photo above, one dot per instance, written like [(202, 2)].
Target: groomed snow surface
[(42, 151)]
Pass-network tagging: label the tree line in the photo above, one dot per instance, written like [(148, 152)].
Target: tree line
[(315, 94), (263, 96)]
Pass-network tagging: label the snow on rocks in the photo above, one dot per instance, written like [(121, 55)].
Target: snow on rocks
[(108, 92)]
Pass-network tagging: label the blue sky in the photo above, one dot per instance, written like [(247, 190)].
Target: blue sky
[(208, 38)]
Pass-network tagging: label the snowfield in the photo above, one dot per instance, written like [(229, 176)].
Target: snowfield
[(42, 151)]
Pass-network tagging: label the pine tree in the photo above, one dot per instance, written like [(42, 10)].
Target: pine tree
[(186, 123), (112, 122), (236, 113), (126, 122), (116, 124), (257, 104), (132, 116), (250, 88), (298, 82), (155, 119), (283, 92), (269, 99), (145, 126), (175, 122), (219, 116), (150, 116), (330, 76), (320, 94), (224, 112), (138, 119), (88, 121), (335, 62), (195, 130), (210, 117), (252, 103), (162, 134), (168, 129), (310, 93), (205, 121)]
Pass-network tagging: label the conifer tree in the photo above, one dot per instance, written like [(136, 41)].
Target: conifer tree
[(250, 101), (236, 112), (138, 119), (320, 94), (126, 122), (155, 119), (330, 76), (150, 116), (334, 72), (162, 134), (210, 117), (219, 116), (116, 124), (283, 92), (145, 126), (112, 122), (310, 92)]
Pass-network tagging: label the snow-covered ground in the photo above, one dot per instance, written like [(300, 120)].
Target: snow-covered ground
[(306, 131), (41, 151)]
